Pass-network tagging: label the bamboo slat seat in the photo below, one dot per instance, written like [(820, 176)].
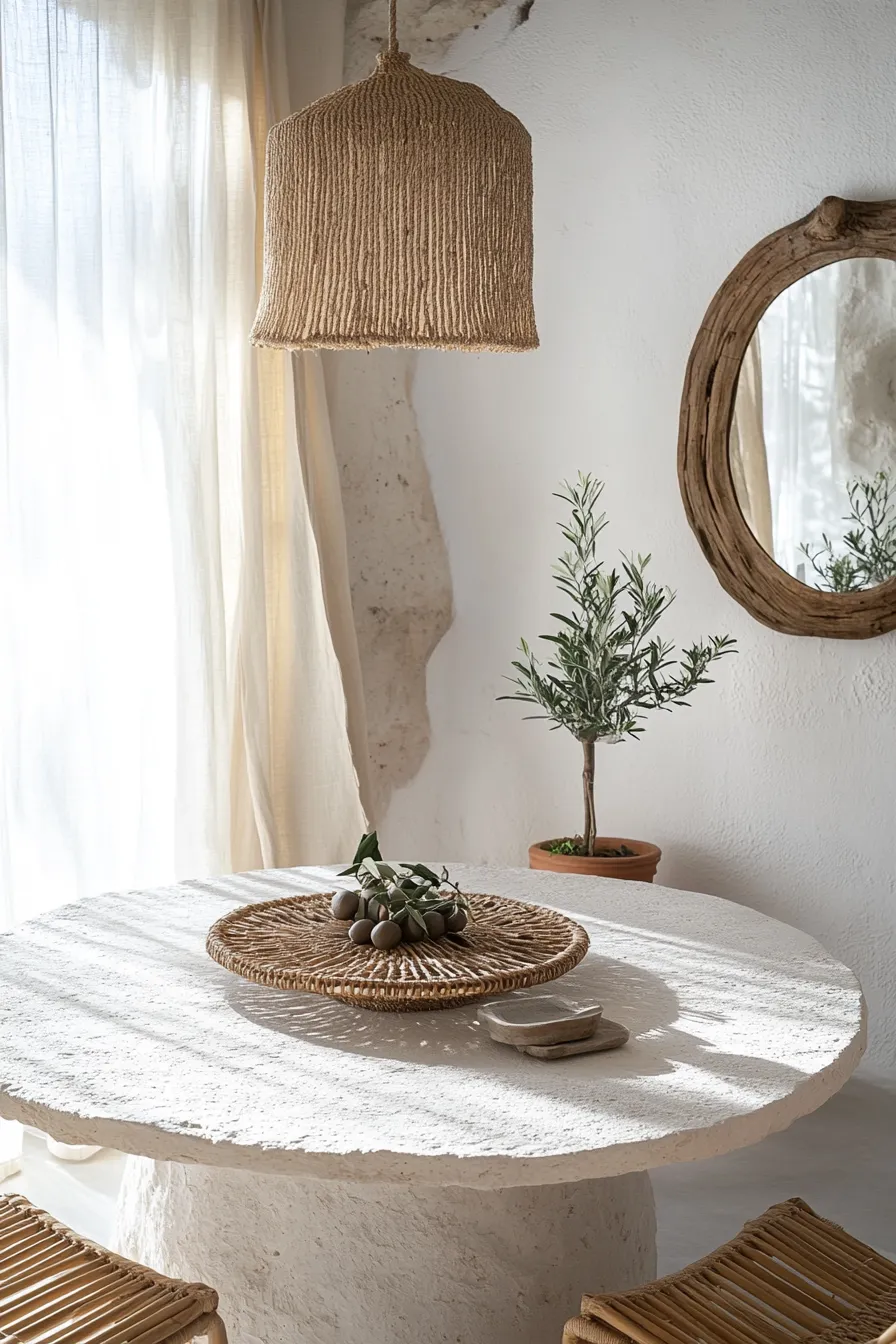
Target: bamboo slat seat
[(790, 1277), (56, 1288)]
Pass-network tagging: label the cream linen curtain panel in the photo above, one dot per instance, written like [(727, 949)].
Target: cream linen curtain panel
[(176, 648), (746, 449), (298, 479)]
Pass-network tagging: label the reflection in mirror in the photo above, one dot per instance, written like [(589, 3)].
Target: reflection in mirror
[(812, 443)]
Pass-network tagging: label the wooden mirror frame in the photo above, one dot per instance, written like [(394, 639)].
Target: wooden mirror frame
[(836, 230)]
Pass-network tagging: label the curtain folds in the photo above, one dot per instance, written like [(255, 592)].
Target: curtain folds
[(746, 448), (178, 673), (312, 647), (815, 406)]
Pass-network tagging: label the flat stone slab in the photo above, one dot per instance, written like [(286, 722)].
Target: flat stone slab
[(116, 1028)]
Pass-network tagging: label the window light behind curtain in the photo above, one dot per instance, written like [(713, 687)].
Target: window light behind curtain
[(813, 409), (171, 700)]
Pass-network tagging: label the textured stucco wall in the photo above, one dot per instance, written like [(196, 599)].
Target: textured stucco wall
[(401, 584), (315, 46), (668, 139), (426, 29), (398, 565)]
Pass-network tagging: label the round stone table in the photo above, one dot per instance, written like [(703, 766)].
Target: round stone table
[(342, 1175)]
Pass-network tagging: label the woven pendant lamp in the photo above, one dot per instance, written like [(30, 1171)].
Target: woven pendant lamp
[(398, 212)]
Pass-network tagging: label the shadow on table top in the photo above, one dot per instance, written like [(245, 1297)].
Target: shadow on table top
[(636, 997)]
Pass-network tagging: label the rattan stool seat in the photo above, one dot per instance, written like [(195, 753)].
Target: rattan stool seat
[(56, 1288), (790, 1277)]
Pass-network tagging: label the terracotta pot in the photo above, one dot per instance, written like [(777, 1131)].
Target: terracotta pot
[(638, 867)]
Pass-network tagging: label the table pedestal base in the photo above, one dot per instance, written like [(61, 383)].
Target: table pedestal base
[(324, 1262)]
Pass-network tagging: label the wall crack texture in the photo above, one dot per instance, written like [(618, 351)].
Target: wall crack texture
[(426, 29)]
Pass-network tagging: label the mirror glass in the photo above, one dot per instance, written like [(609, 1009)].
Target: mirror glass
[(812, 444)]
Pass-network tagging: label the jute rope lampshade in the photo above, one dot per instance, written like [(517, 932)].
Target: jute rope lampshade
[(398, 212)]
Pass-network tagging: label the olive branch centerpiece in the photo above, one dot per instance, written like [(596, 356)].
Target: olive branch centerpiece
[(397, 903)]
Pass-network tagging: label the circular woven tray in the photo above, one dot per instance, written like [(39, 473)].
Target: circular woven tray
[(295, 943)]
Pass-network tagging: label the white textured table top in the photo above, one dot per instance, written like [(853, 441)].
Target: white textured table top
[(116, 1028)]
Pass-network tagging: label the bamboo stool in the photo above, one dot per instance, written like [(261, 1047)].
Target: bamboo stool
[(789, 1277), (56, 1288)]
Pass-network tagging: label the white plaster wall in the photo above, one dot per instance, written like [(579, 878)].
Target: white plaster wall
[(668, 139), (315, 40), (426, 29), (398, 566)]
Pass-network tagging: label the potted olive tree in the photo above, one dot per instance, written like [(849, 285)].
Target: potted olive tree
[(606, 671)]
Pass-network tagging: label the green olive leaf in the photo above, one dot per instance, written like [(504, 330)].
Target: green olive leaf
[(421, 870), (368, 848)]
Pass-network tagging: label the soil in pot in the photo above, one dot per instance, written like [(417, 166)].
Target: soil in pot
[(614, 856)]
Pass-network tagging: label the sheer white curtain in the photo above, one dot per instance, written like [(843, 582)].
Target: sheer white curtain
[(171, 700), (827, 398), (798, 339)]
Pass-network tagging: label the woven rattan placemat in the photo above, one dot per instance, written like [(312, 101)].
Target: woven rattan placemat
[(294, 943)]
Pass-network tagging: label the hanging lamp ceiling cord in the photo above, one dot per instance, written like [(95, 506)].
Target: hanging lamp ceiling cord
[(393, 27)]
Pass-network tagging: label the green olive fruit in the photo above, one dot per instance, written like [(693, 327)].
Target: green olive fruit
[(412, 931), (344, 904), (435, 924), (454, 923), (361, 930), (386, 934)]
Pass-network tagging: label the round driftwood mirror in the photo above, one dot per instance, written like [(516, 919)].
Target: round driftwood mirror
[(787, 446)]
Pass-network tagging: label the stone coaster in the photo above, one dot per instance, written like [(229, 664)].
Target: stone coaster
[(609, 1036), (539, 1019)]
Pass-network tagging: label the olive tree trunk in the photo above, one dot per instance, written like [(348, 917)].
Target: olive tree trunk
[(588, 792)]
